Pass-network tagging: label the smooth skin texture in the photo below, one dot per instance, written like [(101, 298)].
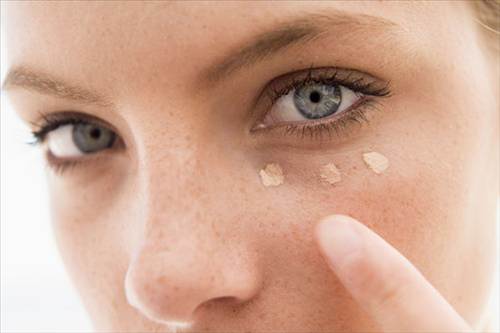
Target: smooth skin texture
[(175, 225)]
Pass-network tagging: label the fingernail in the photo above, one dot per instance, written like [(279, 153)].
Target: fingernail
[(338, 239)]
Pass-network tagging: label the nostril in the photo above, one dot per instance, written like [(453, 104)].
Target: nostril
[(223, 301)]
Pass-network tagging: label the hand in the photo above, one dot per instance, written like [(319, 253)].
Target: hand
[(382, 281)]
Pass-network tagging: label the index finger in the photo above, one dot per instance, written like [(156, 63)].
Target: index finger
[(383, 281)]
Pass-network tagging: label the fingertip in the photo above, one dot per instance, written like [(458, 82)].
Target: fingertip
[(337, 238), (338, 218), (327, 225)]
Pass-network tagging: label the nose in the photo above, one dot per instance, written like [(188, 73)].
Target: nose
[(187, 260), (193, 251), (169, 284)]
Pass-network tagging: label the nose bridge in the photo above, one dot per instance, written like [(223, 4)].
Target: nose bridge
[(171, 156), (173, 159), (174, 181), (177, 214)]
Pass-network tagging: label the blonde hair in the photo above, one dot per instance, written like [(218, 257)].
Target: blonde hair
[(488, 17)]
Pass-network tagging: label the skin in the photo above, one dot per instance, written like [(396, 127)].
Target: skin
[(176, 225)]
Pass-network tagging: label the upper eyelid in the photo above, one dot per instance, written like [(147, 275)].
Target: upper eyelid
[(338, 75)]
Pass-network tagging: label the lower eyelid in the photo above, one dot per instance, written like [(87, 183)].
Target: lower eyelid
[(60, 165), (337, 128), (332, 118)]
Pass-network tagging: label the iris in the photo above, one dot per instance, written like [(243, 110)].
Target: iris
[(317, 100), (90, 138)]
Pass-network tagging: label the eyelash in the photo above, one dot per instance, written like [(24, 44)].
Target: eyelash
[(51, 123), (60, 166), (365, 84)]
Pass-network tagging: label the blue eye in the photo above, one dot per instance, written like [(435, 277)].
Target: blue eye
[(310, 102), (91, 138), (74, 140), (317, 100)]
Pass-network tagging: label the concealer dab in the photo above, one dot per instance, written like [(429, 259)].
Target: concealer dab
[(330, 173), (272, 175), (376, 161)]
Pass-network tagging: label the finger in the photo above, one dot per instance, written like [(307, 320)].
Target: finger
[(382, 281)]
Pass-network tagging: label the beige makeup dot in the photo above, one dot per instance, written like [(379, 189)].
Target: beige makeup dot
[(330, 174), (376, 161), (272, 175)]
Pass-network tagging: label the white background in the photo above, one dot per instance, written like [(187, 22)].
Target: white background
[(36, 294)]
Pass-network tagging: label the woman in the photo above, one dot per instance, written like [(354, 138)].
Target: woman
[(251, 167)]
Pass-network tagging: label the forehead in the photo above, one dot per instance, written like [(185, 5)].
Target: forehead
[(182, 29), (102, 43)]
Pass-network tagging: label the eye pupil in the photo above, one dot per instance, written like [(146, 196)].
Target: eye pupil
[(95, 133), (315, 96)]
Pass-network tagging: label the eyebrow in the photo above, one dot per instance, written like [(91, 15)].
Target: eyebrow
[(298, 30), (294, 31), (43, 83)]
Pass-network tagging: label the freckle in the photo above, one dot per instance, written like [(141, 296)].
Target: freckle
[(272, 175), (376, 161), (330, 173)]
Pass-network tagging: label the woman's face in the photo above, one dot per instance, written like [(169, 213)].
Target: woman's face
[(171, 222)]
